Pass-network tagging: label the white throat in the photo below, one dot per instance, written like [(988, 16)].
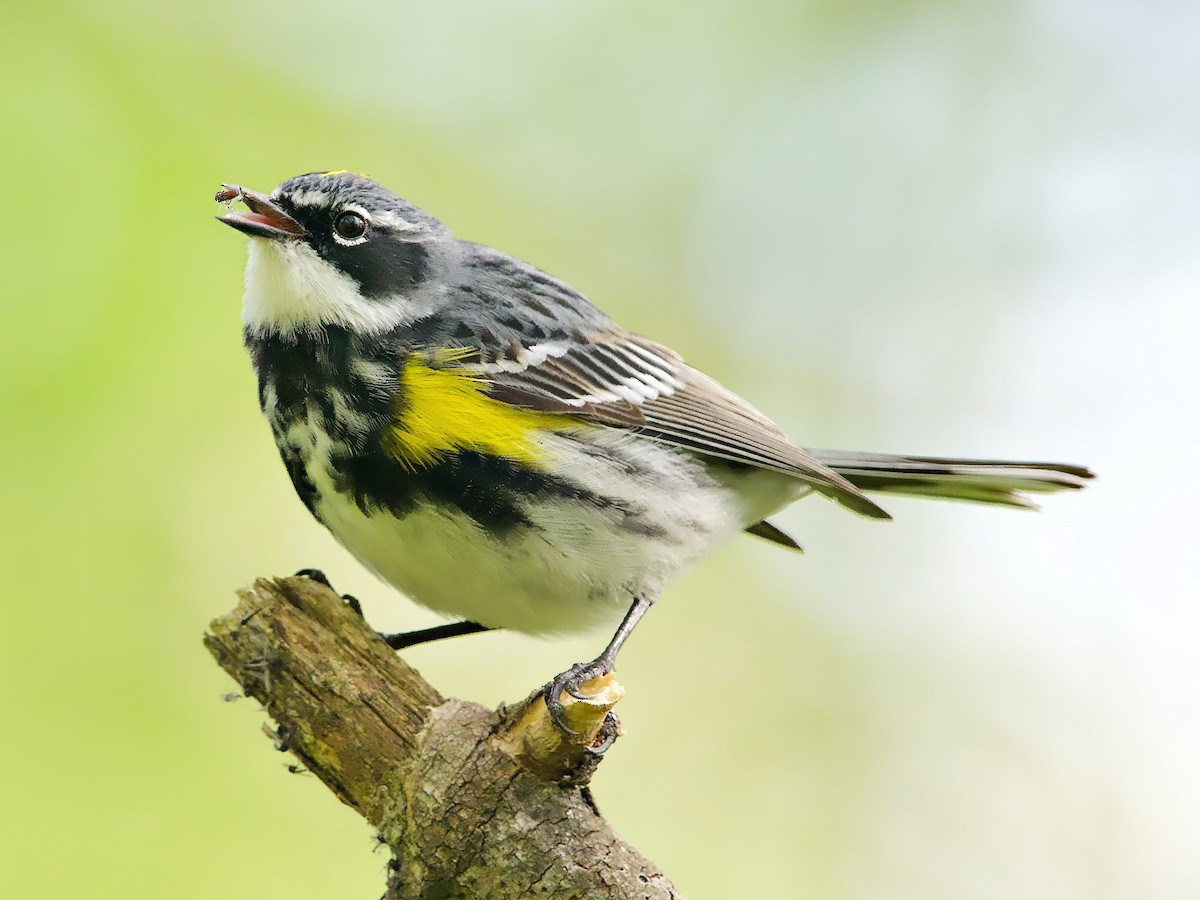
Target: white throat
[(290, 289)]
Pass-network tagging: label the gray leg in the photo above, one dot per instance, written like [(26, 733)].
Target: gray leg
[(579, 673)]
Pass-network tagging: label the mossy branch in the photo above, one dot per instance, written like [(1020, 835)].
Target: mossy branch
[(473, 802)]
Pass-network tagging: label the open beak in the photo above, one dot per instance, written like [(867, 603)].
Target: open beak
[(264, 219)]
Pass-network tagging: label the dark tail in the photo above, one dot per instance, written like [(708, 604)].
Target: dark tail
[(980, 480)]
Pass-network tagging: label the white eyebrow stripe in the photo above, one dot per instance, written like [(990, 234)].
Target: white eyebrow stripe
[(396, 222), (311, 197)]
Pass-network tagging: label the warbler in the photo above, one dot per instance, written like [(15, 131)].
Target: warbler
[(484, 439)]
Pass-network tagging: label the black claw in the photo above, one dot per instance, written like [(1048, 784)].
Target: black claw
[(315, 575), (553, 695), (352, 602), (607, 734)]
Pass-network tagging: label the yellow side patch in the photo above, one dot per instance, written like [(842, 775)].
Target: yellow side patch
[(444, 410)]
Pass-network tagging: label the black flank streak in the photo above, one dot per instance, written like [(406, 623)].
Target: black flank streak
[(305, 489), (488, 489), (635, 525)]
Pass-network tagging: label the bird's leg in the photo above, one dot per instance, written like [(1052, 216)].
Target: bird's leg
[(571, 680), (437, 633), (407, 638)]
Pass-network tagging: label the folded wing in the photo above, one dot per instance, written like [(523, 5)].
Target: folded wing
[(626, 381)]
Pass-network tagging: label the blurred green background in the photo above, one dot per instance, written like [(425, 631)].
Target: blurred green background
[(927, 226)]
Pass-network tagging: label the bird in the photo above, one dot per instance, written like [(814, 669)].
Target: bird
[(487, 441)]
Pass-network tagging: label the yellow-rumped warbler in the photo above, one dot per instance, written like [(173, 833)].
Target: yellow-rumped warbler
[(484, 439)]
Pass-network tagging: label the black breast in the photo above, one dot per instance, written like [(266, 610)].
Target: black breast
[(328, 388)]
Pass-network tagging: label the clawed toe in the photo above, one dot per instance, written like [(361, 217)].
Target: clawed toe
[(321, 578), (609, 729), (315, 575), (570, 682)]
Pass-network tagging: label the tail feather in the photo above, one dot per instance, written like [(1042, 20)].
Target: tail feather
[(979, 480), (776, 535)]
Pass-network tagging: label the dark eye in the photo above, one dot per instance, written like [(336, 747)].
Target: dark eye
[(350, 225)]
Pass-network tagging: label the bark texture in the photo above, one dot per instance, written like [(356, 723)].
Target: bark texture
[(473, 802)]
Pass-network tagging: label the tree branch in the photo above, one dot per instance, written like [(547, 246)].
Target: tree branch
[(473, 802)]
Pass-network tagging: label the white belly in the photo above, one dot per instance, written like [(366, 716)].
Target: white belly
[(577, 565)]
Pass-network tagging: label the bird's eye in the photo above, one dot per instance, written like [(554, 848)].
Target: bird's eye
[(350, 225)]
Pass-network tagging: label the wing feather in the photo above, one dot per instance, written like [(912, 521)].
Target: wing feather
[(626, 381)]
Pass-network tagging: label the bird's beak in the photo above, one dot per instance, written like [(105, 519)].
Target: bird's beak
[(265, 218)]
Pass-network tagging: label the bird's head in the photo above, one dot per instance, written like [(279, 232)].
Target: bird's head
[(335, 249)]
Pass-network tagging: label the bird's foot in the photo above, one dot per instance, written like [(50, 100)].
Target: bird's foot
[(572, 682), (315, 575), (321, 578)]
